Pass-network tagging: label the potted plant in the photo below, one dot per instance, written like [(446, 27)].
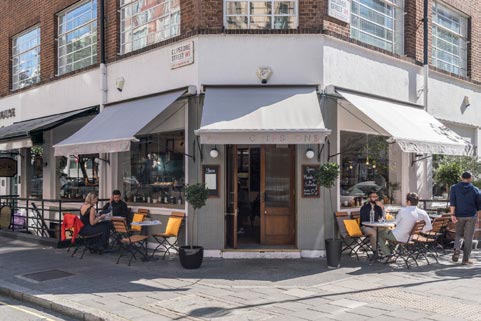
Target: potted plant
[(191, 256), (447, 174), (326, 176)]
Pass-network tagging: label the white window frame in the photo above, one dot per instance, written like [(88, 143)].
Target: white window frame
[(397, 40), (61, 66), (272, 15), (144, 43), (15, 72), (463, 57)]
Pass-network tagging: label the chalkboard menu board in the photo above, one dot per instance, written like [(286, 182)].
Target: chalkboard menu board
[(310, 188), (210, 177)]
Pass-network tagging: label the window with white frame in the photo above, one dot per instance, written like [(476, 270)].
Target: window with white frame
[(254, 14), (450, 32), (77, 37), (379, 23), (145, 22), (26, 58)]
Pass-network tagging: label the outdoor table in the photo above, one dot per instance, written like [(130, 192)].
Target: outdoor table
[(147, 224), (377, 226)]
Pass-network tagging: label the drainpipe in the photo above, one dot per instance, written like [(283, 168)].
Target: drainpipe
[(103, 99), (426, 51)]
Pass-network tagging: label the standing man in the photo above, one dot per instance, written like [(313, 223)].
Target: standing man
[(119, 207), (464, 203), (377, 208)]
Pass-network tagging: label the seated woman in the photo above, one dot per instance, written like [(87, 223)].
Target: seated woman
[(93, 224)]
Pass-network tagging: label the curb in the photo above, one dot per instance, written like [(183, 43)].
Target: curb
[(52, 303)]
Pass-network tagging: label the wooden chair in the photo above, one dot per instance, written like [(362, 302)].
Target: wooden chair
[(90, 242), (138, 216), (431, 240), (171, 231), (410, 249), (357, 240), (133, 244)]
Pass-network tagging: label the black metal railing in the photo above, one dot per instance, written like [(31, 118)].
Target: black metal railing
[(434, 205)]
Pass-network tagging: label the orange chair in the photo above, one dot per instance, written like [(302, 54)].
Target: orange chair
[(171, 231)]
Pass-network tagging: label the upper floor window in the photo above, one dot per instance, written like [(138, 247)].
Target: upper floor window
[(254, 14), (379, 23), (449, 39), (145, 22), (26, 58), (77, 37)]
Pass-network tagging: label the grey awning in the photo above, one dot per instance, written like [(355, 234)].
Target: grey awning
[(116, 126), (21, 134), (262, 115)]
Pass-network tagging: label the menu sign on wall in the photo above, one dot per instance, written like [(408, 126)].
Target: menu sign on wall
[(340, 9), (310, 187)]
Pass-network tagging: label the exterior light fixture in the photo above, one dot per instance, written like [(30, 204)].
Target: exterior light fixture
[(119, 83), (214, 153), (466, 102), (310, 153)]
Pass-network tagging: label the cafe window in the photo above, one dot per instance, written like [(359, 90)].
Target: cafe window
[(145, 22), (78, 175), (379, 23), (449, 39), (36, 172), (26, 58), (364, 166), (273, 14), (153, 172), (77, 37)]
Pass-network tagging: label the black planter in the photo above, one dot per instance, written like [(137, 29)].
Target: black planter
[(333, 252), (191, 258)]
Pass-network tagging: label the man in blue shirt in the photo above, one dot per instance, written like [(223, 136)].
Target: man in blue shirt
[(465, 202)]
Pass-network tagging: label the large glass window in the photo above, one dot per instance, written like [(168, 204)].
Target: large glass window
[(145, 22), (449, 39), (379, 23), (364, 166), (78, 175), (153, 172), (36, 172), (253, 14), (26, 58), (77, 37)]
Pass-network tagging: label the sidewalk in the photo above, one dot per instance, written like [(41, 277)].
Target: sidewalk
[(99, 289)]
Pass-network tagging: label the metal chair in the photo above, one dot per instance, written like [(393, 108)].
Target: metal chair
[(171, 231), (133, 244), (410, 249)]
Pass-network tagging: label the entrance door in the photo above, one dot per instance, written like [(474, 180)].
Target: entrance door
[(278, 195), (231, 199)]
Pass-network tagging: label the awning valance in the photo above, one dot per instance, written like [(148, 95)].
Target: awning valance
[(413, 129), (115, 127), (20, 134), (262, 115)]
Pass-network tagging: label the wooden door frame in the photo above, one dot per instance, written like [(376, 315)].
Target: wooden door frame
[(233, 150)]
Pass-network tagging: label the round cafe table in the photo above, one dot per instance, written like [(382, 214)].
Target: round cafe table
[(377, 226)]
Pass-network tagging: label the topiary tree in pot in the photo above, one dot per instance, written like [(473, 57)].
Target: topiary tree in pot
[(191, 256), (326, 176)]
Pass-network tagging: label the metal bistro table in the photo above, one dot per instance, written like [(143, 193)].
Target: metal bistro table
[(377, 226), (147, 224)]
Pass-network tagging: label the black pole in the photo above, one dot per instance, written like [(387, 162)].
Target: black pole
[(102, 31), (426, 26)]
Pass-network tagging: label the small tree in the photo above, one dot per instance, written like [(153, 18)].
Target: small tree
[(448, 173), (196, 195), (326, 176)]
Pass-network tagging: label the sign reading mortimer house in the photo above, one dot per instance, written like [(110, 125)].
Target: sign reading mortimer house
[(340, 9), (182, 55)]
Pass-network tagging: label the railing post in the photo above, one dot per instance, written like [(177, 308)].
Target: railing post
[(26, 210), (60, 219), (43, 218)]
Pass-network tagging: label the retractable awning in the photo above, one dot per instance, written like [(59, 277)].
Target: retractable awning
[(262, 115), (412, 128), (26, 133), (115, 127)]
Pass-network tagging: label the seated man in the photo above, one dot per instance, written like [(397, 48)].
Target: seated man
[(405, 220), (378, 208), (116, 205)]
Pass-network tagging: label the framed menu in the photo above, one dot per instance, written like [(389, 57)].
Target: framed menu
[(211, 179), (310, 187)]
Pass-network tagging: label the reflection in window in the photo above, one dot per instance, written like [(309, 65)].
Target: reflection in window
[(154, 172), (26, 58), (364, 165), (36, 171), (250, 14), (449, 40), (78, 175)]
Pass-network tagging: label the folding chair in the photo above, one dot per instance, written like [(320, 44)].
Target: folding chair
[(139, 216), (358, 240), (431, 240), (133, 244), (410, 249), (171, 231), (90, 242)]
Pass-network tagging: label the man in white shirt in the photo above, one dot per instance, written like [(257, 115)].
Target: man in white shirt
[(405, 220)]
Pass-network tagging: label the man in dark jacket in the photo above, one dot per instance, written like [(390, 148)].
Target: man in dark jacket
[(116, 205), (377, 207), (464, 201)]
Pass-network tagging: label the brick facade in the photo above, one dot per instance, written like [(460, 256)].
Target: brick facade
[(206, 16)]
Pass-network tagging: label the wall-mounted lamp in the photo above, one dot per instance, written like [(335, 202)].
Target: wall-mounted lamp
[(466, 102), (310, 153), (214, 153), (264, 73), (119, 83)]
